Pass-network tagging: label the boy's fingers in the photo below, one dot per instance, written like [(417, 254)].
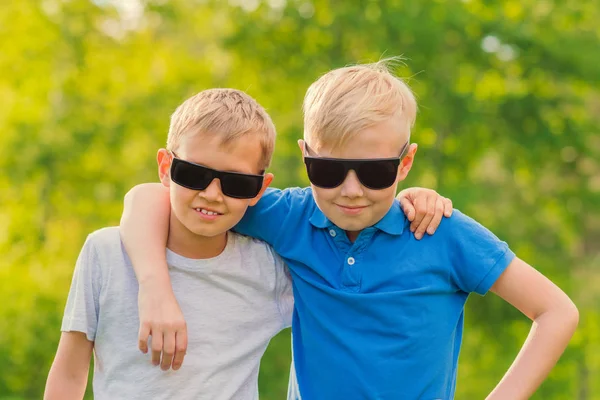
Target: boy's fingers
[(437, 218), (143, 337), (408, 208), (180, 348), (426, 218), (168, 350), (420, 207), (448, 207), (157, 344)]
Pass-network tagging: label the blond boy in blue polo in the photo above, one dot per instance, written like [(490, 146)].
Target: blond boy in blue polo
[(379, 314)]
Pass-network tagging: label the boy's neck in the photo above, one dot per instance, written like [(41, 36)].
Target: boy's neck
[(352, 235), (190, 245)]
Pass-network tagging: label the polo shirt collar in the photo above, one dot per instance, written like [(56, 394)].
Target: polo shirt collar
[(392, 223), (319, 220)]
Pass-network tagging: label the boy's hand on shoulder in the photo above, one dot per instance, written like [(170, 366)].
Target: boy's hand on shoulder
[(161, 318), (424, 208)]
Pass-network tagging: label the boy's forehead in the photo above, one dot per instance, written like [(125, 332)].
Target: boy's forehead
[(370, 135), (242, 154), (370, 143)]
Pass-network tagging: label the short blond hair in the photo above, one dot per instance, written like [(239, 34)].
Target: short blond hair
[(347, 100), (228, 113)]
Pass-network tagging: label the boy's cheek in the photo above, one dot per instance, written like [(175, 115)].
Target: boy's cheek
[(237, 207), (324, 195)]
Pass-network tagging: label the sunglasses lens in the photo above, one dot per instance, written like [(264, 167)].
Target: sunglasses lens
[(378, 174), (241, 186), (189, 175), (325, 173)]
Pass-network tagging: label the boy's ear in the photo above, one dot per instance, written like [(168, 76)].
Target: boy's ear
[(301, 146), (266, 182), (163, 157), (407, 162)]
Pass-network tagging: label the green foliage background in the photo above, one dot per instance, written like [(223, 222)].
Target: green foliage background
[(509, 95)]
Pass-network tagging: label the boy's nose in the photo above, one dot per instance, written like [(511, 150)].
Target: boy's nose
[(351, 187), (213, 191)]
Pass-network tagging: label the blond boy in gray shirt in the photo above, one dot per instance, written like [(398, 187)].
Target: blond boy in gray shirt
[(233, 290)]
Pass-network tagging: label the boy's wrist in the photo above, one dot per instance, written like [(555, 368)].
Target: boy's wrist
[(157, 279)]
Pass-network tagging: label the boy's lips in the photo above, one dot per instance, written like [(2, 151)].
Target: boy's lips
[(207, 213), (351, 210)]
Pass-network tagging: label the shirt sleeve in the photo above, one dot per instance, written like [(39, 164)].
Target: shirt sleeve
[(81, 311), (284, 296), (477, 256), (273, 213)]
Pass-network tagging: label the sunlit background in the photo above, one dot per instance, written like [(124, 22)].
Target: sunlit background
[(508, 127)]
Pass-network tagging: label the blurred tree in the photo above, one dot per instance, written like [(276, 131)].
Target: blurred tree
[(509, 97)]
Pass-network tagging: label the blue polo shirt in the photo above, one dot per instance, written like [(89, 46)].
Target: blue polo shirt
[(380, 318)]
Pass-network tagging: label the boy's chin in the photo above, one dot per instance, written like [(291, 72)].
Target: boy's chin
[(206, 230), (349, 226), (213, 231)]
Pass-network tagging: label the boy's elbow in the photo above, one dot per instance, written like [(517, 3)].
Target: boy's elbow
[(572, 315), (568, 316), (563, 314), (57, 382), (143, 189), (65, 382)]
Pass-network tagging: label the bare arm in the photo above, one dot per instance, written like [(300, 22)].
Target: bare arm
[(144, 230), (554, 317), (69, 372)]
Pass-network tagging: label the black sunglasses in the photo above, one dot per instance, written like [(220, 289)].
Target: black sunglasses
[(374, 173), (198, 177)]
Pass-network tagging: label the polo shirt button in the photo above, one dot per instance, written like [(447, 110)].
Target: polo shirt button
[(351, 261), (332, 233)]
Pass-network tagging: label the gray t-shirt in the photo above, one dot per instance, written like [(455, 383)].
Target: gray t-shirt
[(233, 305)]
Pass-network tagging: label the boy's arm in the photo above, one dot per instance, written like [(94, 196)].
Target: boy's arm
[(481, 262), (144, 230), (68, 375), (554, 317), (69, 372), (424, 208)]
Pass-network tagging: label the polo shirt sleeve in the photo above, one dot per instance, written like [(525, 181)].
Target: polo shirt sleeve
[(477, 256), (271, 218)]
